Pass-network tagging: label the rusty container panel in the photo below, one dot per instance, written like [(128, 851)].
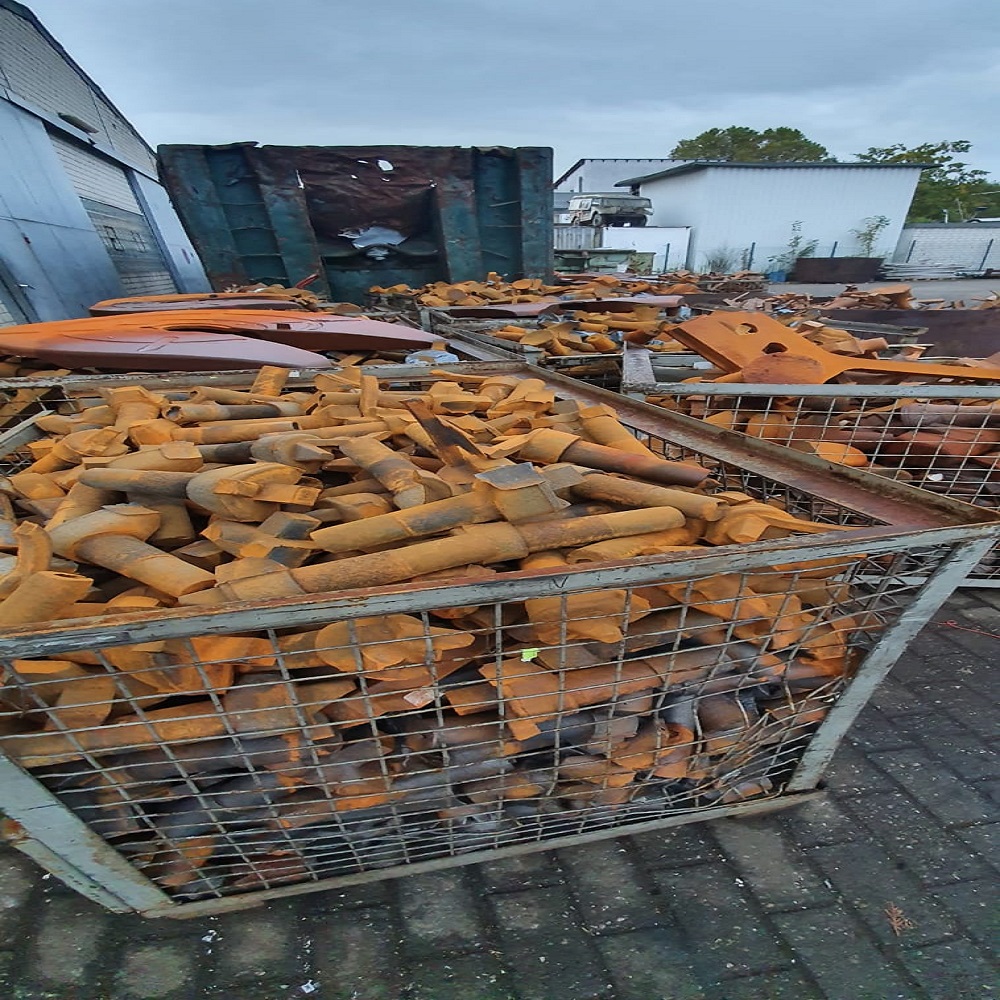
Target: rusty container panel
[(362, 215)]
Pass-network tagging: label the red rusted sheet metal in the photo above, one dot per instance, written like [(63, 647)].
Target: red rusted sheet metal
[(306, 330), (166, 303), (509, 310), (625, 303), (147, 349)]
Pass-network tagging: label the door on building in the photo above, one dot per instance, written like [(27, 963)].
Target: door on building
[(107, 196)]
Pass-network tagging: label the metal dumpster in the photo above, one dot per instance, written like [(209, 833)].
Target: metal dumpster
[(569, 741), (359, 216)]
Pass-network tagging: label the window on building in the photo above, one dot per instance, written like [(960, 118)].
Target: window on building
[(112, 239)]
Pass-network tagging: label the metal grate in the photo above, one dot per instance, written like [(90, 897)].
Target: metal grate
[(247, 751), (940, 438)]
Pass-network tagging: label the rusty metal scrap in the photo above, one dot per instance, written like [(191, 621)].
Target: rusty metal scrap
[(887, 297), (238, 297), (495, 291), (754, 347), (201, 757)]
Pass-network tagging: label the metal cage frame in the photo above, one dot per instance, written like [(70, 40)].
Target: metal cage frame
[(890, 522), (639, 382)]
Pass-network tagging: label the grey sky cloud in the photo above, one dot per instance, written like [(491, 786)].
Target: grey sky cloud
[(589, 78)]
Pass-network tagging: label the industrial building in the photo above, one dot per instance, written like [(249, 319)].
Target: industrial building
[(82, 214), (747, 211)]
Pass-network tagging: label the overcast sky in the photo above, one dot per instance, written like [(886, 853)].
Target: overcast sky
[(588, 78)]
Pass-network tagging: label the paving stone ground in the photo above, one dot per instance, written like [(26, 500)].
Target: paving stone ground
[(789, 906)]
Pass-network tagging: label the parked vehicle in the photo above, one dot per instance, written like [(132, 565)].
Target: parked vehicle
[(609, 210)]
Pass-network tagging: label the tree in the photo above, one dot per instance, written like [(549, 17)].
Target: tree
[(949, 189), (738, 144)]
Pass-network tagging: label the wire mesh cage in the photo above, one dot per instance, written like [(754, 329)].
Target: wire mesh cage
[(184, 761), (941, 438)]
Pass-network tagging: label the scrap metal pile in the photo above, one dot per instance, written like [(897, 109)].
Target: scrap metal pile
[(756, 348), (251, 758), (897, 296), (949, 446), (495, 290), (583, 330)]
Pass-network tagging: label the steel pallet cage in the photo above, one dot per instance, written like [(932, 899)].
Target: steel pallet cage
[(941, 438), (258, 750)]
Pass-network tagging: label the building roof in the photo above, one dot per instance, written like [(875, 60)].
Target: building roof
[(695, 165), (604, 159)]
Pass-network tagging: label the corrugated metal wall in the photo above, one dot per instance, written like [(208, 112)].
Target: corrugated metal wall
[(32, 69), (576, 237), (9, 314), (107, 196), (971, 245), (94, 177)]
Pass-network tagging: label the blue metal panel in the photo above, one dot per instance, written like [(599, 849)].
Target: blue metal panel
[(458, 226), (243, 207), (498, 205), (175, 246), (47, 240), (534, 172), (286, 209), (194, 192)]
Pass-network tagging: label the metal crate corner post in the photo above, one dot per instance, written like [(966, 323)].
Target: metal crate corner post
[(41, 827), (901, 551), (881, 658)]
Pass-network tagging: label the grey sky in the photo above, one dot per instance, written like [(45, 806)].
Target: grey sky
[(588, 78)]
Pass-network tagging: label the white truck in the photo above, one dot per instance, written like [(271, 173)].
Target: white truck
[(609, 210)]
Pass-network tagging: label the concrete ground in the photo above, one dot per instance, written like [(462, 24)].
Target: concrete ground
[(884, 890), (966, 289)]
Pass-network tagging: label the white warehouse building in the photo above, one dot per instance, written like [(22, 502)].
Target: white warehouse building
[(748, 210)]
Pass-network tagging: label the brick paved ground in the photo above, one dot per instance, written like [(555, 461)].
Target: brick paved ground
[(787, 907)]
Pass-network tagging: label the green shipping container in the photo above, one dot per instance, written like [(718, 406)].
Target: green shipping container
[(359, 216)]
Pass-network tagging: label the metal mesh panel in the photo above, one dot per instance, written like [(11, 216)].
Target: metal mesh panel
[(939, 438), (228, 763)]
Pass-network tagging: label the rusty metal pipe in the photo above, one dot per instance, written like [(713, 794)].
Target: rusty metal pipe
[(551, 446), (410, 485), (147, 481), (633, 494), (198, 412), (172, 456), (114, 537), (485, 544), (81, 499), (43, 597)]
